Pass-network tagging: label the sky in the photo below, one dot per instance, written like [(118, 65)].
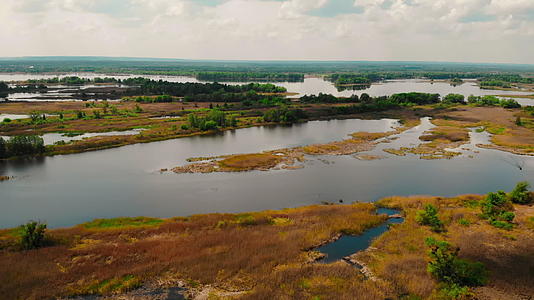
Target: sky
[(499, 31)]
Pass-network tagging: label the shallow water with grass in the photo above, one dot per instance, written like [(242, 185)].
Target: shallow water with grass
[(351, 244)]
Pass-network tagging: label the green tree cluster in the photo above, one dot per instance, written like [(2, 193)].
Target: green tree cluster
[(492, 101), (454, 98), (214, 119), (21, 145), (283, 115)]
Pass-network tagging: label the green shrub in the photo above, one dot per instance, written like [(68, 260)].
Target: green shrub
[(447, 268), (464, 222), (502, 224), (33, 235), (454, 291), (429, 217), (496, 208), (520, 194)]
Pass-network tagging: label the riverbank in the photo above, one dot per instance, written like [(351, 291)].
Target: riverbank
[(164, 121), (253, 255)]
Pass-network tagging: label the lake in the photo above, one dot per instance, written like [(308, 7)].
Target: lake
[(70, 189)]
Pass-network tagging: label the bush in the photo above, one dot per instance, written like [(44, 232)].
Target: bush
[(209, 125), (520, 194), (429, 217), (447, 268), (454, 98), (496, 208), (33, 234)]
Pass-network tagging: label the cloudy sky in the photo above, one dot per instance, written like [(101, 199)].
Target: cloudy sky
[(435, 30)]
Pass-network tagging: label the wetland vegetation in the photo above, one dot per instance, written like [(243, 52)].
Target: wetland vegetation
[(454, 247), (251, 255)]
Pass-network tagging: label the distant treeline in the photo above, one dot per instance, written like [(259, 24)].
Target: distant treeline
[(74, 80), (202, 92), (370, 77), (366, 103), (400, 99), (366, 78), (250, 76), (190, 67), (504, 80), (21, 145)]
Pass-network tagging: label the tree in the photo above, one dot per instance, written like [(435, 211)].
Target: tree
[(446, 267), (364, 98), (520, 194), (429, 217), (3, 148), (3, 87), (33, 234), (454, 98), (496, 208)]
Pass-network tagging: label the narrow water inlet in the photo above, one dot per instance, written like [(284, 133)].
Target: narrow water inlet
[(351, 244)]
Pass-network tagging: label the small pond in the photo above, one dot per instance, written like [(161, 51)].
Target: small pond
[(351, 244)]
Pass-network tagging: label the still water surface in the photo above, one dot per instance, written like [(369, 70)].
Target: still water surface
[(70, 189), (351, 244)]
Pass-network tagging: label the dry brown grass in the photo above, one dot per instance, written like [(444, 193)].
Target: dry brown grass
[(232, 252), (245, 162), (400, 257), (507, 136)]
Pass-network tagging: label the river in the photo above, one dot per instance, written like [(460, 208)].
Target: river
[(69, 189)]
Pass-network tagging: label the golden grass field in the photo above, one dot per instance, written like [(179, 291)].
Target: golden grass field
[(269, 255)]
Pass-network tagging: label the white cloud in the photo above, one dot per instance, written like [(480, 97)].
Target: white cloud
[(438, 30)]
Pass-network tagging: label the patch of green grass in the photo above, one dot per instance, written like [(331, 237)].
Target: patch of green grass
[(495, 130), (464, 222), (245, 219), (13, 232), (109, 286), (530, 222), (122, 222)]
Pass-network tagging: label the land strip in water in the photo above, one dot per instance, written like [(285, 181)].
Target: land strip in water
[(511, 128)]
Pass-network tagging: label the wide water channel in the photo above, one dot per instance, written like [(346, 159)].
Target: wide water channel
[(70, 189)]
